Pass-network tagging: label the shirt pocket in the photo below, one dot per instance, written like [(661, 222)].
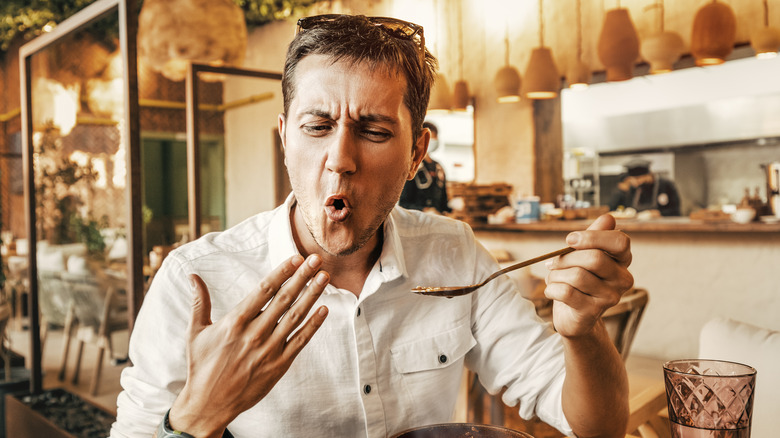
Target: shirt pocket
[(434, 352)]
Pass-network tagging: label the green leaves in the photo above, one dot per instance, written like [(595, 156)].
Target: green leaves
[(28, 18)]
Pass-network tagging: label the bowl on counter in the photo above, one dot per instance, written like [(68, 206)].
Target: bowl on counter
[(461, 430), (743, 215)]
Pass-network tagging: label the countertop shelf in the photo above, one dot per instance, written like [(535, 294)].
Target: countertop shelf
[(654, 225)]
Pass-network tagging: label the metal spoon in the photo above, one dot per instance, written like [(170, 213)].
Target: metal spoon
[(454, 291)]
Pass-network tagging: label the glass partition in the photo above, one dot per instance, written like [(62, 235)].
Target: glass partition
[(80, 206)]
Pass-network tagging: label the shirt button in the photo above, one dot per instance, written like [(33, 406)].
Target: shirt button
[(367, 389), (358, 311), (443, 358)]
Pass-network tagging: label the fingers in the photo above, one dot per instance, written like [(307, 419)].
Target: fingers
[(290, 291), (201, 306), (251, 306), (577, 283), (602, 235), (304, 335)]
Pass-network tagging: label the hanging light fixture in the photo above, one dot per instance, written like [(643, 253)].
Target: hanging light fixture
[(766, 40), (663, 49), (542, 80), (578, 75), (618, 46), (460, 98), (507, 81), (173, 33), (714, 30), (441, 99)]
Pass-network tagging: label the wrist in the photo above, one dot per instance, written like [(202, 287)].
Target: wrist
[(193, 421)]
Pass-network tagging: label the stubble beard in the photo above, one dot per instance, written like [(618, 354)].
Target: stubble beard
[(385, 205)]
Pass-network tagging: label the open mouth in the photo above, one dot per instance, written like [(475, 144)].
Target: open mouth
[(337, 208)]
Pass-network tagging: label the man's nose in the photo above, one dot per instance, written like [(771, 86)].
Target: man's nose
[(342, 152)]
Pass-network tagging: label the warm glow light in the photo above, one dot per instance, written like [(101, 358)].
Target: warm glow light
[(540, 95), (579, 87), (48, 27), (508, 99), (766, 55), (52, 102), (99, 167), (119, 178)]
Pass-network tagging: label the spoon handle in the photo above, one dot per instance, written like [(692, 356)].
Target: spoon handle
[(529, 262)]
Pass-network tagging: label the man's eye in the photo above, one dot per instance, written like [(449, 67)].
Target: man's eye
[(376, 136), (316, 129)]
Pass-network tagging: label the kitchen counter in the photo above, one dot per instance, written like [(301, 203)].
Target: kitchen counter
[(693, 271), (676, 224)]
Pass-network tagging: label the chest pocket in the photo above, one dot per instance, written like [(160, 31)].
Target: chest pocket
[(435, 352)]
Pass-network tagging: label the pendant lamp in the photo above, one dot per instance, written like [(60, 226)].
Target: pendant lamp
[(460, 92), (714, 30), (664, 48), (578, 75), (173, 33), (507, 80), (618, 46), (542, 80), (441, 99), (766, 40)]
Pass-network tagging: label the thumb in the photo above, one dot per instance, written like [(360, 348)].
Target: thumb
[(201, 306), (603, 222)]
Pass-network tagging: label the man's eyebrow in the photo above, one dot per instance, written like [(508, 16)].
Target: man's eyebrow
[(368, 118), (318, 113)]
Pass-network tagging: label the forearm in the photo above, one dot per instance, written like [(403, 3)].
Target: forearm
[(595, 392)]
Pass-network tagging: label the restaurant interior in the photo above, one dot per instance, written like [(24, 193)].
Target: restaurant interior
[(128, 128)]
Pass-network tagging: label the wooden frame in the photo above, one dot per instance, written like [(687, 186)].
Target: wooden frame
[(128, 18), (193, 136)]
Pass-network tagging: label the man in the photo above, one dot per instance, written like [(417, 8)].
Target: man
[(644, 190), (300, 321), (427, 191)]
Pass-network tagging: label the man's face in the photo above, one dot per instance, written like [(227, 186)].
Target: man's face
[(639, 180), (348, 150)]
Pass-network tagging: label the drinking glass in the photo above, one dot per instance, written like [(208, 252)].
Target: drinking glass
[(709, 398)]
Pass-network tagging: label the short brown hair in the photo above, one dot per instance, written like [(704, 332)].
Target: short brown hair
[(355, 38)]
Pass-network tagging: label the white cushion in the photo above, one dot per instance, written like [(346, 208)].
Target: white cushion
[(78, 265), (51, 260), (735, 341)]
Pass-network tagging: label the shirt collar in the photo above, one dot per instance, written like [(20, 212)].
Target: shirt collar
[(280, 237), (391, 262)]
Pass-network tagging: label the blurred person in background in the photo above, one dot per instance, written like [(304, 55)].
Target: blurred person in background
[(643, 190), (427, 191)]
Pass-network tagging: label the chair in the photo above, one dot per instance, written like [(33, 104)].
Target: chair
[(100, 309), (736, 341), (56, 308), (621, 322)]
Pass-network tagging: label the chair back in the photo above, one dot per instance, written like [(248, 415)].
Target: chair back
[(95, 300), (53, 297), (727, 339), (622, 320)]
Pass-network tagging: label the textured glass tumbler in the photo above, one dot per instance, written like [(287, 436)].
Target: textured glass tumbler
[(709, 398)]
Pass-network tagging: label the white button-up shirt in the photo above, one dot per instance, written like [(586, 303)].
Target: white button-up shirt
[(381, 363)]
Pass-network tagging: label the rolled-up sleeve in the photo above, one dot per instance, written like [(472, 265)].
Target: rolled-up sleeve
[(516, 350), (157, 353)]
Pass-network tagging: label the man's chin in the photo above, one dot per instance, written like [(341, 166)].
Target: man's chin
[(340, 248)]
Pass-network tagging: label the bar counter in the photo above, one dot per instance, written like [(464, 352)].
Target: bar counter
[(676, 224), (693, 270)]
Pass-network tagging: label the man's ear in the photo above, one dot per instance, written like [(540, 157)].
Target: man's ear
[(419, 149), (281, 125)]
